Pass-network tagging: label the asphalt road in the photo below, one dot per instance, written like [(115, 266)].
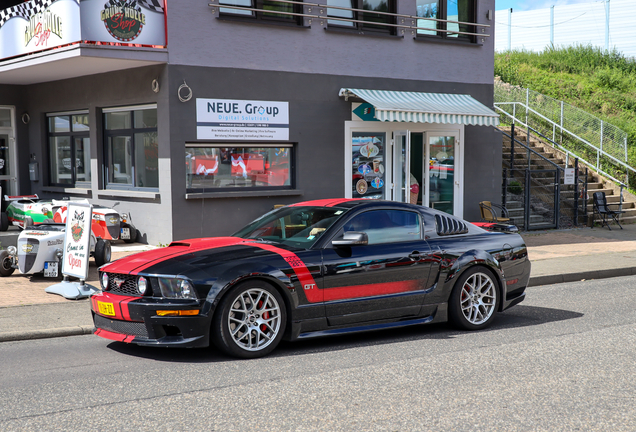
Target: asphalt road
[(565, 360)]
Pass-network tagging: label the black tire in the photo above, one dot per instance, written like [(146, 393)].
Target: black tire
[(4, 221), (5, 264), (474, 300), (28, 221), (264, 328), (102, 252), (133, 234)]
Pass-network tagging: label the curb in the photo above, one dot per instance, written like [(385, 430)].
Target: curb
[(576, 277), (46, 333)]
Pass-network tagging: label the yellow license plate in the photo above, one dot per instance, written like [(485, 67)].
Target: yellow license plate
[(106, 308)]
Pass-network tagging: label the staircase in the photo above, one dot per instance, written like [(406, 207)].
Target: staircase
[(596, 182)]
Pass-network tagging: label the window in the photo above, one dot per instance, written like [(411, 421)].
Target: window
[(342, 15), (386, 226), (215, 168), (451, 12), (69, 149), (131, 145), (267, 10)]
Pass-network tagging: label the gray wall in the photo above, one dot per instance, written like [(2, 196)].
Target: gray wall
[(14, 96), (232, 44), (153, 216), (317, 117)]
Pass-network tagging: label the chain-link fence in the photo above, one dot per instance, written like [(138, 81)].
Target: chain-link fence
[(599, 144)]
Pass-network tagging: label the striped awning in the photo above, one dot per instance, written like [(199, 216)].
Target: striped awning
[(418, 107)]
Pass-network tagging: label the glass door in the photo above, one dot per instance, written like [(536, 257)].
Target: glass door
[(443, 185), (369, 157), (7, 153), (401, 166)]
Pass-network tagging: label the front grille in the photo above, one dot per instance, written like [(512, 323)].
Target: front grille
[(127, 287), (122, 327)]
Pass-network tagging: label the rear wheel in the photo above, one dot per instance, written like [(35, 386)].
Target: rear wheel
[(474, 299), (102, 252), (5, 264), (250, 320)]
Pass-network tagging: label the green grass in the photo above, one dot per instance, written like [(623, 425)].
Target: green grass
[(600, 82)]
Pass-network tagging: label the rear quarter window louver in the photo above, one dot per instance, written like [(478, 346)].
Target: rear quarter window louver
[(449, 226)]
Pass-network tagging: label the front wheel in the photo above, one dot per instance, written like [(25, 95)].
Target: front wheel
[(6, 268), (102, 252), (250, 320), (474, 299)]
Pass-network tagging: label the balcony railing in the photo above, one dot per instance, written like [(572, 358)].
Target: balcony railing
[(402, 23)]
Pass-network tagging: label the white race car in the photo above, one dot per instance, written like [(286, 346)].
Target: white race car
[(40, 249)]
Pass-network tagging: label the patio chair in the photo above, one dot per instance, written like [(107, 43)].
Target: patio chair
[(602, 208), (489, 214)]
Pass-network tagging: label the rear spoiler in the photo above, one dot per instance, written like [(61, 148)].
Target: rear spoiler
[(494, 226), (20, 197)]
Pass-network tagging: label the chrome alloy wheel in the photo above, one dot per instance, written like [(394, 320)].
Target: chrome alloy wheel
[(478, 298), (254, 319)]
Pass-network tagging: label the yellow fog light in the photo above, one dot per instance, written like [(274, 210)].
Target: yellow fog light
[(177, 312)]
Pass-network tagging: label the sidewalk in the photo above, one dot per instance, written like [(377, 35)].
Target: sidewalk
[(27, 312)]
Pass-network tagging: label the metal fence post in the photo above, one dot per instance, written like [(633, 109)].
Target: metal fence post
[(557, 197), (504, 187), (561, 125), (512, 146), (576, 192), (527, 103), (526, 204)]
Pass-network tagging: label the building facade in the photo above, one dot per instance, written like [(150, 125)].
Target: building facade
[(228, 108)]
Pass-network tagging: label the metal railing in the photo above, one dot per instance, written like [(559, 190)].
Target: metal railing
[(572, 129), (321, 11), (541, 200)]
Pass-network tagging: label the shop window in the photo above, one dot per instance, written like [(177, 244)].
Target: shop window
[(69, 149), (353, 14), (451, 12), (216, 168), (131, 146), (266, 10)]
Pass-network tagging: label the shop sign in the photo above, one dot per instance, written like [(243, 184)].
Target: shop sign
[(77, 240), (128, 21), (38, 24), (363, 111), (244, 120)]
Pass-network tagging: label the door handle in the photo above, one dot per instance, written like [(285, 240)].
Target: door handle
[(415, 255)]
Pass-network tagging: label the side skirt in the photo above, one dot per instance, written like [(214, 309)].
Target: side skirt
[(439, 315)]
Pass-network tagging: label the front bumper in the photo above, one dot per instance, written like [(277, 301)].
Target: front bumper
[(135, 320)]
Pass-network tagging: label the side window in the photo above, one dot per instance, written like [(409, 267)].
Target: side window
[(387, 226), (69, 149)]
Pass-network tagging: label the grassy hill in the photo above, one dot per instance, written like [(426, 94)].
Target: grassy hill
[(600, 82)]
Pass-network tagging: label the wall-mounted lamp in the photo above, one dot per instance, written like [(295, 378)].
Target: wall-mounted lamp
[(155, 85), (26, 118)]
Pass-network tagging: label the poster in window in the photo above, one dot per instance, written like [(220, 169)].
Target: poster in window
[(368, 158)]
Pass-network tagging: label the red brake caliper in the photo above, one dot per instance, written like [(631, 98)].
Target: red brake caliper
[(265, 316)]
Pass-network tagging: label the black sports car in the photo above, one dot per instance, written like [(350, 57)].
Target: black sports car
[(313, 269)]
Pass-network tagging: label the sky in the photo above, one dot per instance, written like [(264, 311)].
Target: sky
[(523, 5)]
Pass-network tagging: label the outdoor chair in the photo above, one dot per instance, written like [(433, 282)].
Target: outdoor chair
[(602, 208), (489, 214)]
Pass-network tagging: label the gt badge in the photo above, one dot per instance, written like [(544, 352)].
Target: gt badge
[(309, 286)]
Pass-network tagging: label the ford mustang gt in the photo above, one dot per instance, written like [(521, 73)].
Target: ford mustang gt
[(313, 269)]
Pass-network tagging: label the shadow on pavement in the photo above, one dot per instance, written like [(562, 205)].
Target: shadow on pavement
[(519, 316)]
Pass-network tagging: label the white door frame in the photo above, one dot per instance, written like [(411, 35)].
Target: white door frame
[(12, 178), (427, 129)]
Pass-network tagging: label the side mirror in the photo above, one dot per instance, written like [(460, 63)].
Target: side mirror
[(351, 238)]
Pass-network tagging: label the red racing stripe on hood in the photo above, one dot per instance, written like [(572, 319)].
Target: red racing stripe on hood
[(323, 203), (140, 261)]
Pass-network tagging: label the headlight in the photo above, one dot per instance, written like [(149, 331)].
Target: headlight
[(124, 217), (12, 250), (176, 288), (104, 281), (142, 285)]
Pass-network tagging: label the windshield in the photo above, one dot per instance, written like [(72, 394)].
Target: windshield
[(294, 226)]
